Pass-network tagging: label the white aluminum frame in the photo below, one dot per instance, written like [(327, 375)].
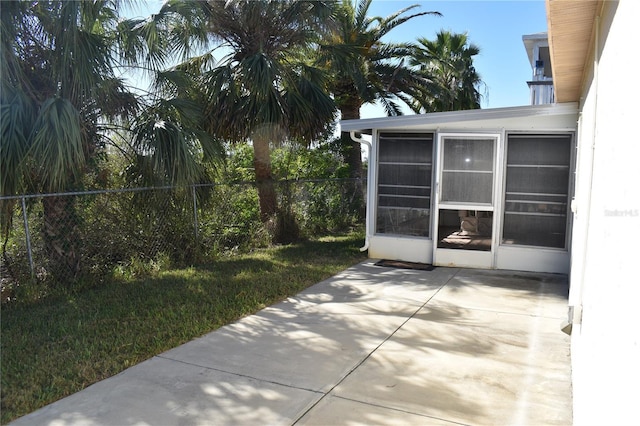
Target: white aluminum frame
[(536, 258), (461, 257)]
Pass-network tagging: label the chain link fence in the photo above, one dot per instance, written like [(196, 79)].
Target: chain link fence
[(87, 237)]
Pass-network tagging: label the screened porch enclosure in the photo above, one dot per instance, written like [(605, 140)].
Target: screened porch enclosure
[(464, 195), (486, 188)]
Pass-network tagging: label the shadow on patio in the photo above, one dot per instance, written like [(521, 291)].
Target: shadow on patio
[(371, 345)]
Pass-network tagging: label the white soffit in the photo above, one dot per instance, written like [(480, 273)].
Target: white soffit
[(530, 117), (570, 26)]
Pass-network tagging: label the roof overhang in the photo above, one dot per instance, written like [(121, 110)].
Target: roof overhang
[(570, 28), (530, 117)]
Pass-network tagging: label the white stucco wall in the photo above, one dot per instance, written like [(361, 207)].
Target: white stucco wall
[(605, 278)]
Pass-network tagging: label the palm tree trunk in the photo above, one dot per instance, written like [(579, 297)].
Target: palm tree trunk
[(61, 237), (264, 180)]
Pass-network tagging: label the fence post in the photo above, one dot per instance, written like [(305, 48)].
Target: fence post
[(195, 211), (27, 236)]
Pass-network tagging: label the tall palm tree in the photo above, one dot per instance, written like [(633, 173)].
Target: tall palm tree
[(59, 94), (57, 83), (364, 68), (262, 89), (452, 82)]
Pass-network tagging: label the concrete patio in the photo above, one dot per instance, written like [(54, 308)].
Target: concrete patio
[(371, 345)]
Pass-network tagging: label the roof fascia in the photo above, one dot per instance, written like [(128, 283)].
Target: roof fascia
[(440, 118)]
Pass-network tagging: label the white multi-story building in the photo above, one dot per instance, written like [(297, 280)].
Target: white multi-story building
[(541, 84)]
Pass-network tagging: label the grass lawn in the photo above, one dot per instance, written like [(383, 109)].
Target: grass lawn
[(61, 344)]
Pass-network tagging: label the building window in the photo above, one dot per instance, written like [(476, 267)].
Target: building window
[(404, 183), (537, 190)]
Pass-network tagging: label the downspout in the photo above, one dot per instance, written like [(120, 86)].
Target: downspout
[(366, 216)]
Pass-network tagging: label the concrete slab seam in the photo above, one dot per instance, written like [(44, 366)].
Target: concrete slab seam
[(233, 373), (400, 410), (375, 349)]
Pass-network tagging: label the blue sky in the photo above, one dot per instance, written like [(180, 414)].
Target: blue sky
[(495, 26)]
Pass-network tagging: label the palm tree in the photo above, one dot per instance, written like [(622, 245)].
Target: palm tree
[(262, 89), (447, 65), (364, 68), (59, 96), (57, 83)]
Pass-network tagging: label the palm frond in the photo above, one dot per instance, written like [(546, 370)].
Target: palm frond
[(17, 116), (189, 31), (360, 13), (447, 62), (310, 108), (389, 23), (391, 108), (57, 144), (171, 143), (114, 101), (172, 83), (363, 66)]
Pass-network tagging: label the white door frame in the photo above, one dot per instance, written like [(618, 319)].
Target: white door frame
[(462, 257)]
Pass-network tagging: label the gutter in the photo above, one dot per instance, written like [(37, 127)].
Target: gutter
[(366, 217)]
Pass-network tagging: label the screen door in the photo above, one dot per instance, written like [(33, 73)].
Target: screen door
[(464, 229)]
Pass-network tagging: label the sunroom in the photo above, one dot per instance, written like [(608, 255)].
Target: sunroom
[(487, 188)]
